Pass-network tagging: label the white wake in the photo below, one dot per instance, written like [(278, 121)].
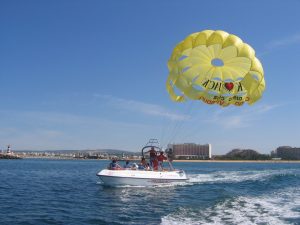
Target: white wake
[(275, 208)]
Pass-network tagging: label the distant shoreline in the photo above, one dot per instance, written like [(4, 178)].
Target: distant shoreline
[(179, 160), (240, 161)]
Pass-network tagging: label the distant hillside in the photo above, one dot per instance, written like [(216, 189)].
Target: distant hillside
[(243, 154), (110, 151)]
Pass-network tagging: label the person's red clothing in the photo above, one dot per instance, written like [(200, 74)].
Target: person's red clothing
[(161, 158), (155, 164)]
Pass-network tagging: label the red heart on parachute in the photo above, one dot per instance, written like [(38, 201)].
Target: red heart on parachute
[(229, 86)]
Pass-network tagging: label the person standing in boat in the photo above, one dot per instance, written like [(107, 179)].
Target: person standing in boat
[(161, 159), (153, 156), (155, 164)]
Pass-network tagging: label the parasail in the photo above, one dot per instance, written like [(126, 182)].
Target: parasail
[(215, 67)]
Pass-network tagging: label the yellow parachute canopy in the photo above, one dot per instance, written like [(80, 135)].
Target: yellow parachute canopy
[(215, 67)]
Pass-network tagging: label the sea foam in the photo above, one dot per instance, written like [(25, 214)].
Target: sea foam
[(281, 207), (239, 176)]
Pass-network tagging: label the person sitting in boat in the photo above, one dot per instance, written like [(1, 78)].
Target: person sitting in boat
[(127, 165), (114, 165), (134, 166), (153, 156), (161, 159), (143, 164)]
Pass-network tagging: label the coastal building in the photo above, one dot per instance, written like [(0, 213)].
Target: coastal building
[(191, 151), (287, 153)]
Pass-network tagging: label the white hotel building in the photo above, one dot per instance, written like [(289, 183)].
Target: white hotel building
[(191, 150)]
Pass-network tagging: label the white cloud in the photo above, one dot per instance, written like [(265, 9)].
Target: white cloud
[(275, 44), (143, 108), (37, 130), (294, 39), (231, 118)]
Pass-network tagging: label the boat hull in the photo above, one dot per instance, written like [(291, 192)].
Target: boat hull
[(140, 178)]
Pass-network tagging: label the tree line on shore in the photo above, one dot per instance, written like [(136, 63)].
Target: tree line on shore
[(245, 154)]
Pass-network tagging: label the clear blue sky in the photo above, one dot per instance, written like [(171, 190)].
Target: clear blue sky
[(91, 74)]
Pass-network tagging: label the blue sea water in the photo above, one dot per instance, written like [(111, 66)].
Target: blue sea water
[(40, 191)]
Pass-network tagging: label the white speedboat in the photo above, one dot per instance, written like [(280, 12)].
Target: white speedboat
[(142, 177)]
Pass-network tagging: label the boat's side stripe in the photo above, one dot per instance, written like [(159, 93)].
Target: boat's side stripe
[(154, 178)]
